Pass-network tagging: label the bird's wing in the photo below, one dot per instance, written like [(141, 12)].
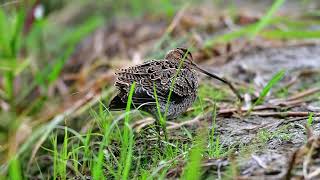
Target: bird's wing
[(140, 98), (155, 74), (183, 81)]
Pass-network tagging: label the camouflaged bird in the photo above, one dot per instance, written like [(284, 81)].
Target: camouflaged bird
[(177, 66)]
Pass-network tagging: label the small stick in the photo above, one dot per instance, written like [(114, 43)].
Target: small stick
[(304, 94), (284, 114)]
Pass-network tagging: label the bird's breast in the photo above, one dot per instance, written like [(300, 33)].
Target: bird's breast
[(177, 107)]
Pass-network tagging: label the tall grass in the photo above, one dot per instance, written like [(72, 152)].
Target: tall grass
[(72, 153), (161, 118), (214, 146), (60, 159), (192, 171), (127, 140), (55, 156), (10, 42), (11, 27), (96, 163), (15, 172), (16, 55), (265, 20)]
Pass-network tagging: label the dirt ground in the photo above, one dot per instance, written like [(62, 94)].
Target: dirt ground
[(273, 141), (273, 156)]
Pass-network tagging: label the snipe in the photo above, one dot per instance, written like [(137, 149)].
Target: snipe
[(177, 67)]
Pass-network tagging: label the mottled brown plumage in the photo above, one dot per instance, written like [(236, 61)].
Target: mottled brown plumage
[(161, 74)]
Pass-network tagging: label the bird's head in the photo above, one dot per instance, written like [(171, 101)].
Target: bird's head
[(179, 54), (184, 54)]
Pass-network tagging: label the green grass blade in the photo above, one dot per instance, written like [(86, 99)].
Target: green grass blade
[(310, 119), (290, 34), (128, 107), (127, 140), (97, 170), (193, 169), (5, 29), (242, 31), (250, 30), (274, 80), (15, 169), (157, 103), (212, 148), (74, 36), (16, 36), (127, 165), (8, 85), (58, 66), (55, 156), (97, 167), (266, 19), (86, 145), (173, 83)]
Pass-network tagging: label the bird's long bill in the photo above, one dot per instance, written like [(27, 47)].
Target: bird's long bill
[(220, 79)]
